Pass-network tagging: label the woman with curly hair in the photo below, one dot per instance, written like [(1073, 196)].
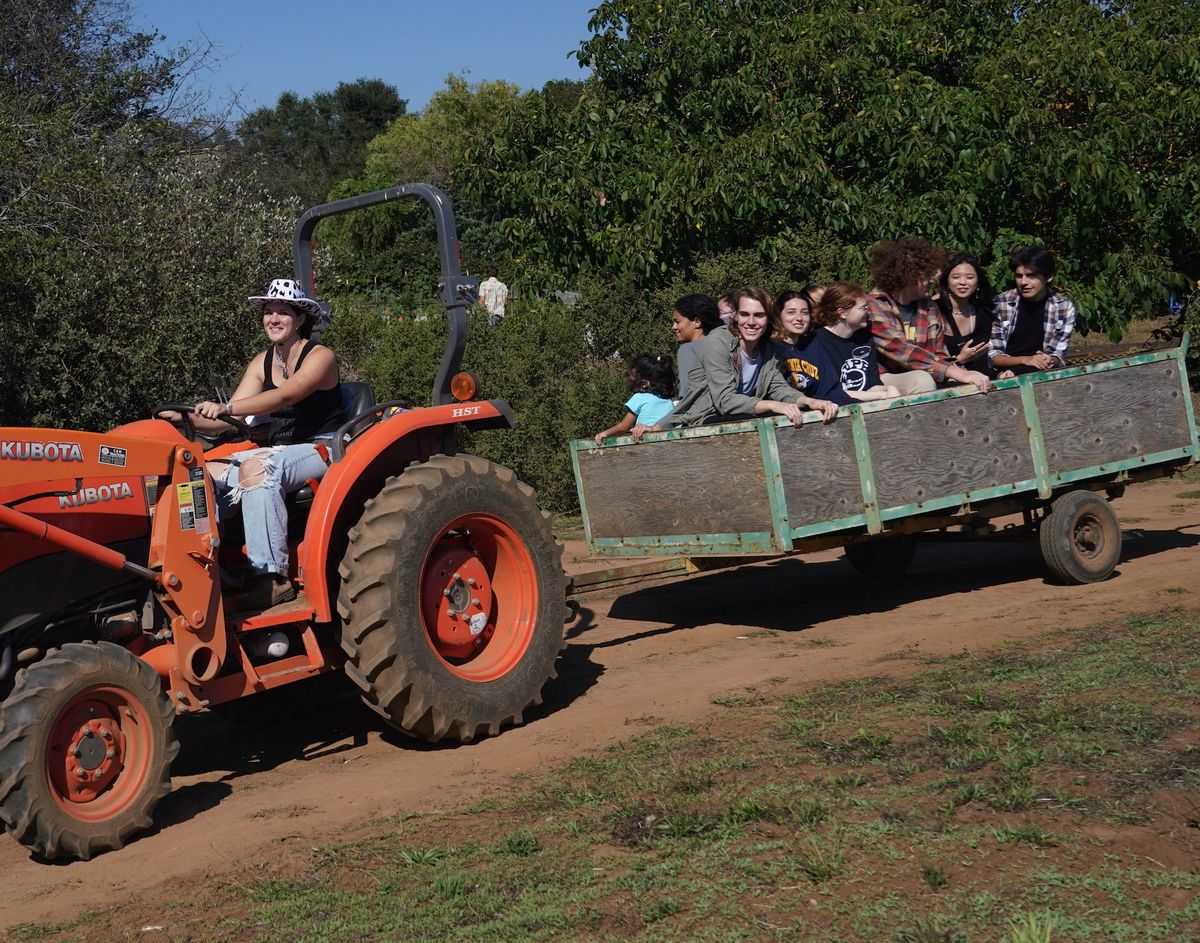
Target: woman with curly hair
[(910, 334)]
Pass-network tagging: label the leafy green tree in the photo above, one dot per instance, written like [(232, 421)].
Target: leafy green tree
[(714, 126), (124, 265), (308, 144)]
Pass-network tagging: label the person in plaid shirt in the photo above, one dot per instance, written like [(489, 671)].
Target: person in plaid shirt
[(909, 332), (1032, 323)]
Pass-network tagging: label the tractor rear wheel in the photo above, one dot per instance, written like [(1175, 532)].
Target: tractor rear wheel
[(85, 751), (453, 599)]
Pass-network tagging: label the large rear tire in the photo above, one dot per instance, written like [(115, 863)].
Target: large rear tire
[(1081, 538), (86, 747), (453, 599)]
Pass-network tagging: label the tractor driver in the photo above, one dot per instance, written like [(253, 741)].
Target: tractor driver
[(296, 381)]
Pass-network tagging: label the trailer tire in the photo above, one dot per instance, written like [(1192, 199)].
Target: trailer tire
[(86, 745), (882, 558), (453, 599), (1081, 538)]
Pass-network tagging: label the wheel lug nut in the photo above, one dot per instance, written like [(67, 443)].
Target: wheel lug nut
[(82, 773), (475, 602), (472, 583), (107, 734), (445, 592), (110, 753)]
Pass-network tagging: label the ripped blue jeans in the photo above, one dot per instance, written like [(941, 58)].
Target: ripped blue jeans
[(260, 488)]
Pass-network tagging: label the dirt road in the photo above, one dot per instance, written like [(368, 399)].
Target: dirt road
[(245, 800)]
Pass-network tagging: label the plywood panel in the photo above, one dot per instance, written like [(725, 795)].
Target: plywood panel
[(820, 474), (949, 447), (1112, 416), (708, 485)]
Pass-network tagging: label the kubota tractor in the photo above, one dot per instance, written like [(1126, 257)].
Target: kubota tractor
[(431, 578)]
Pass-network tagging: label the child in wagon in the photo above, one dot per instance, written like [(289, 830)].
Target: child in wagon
[(652, 382)]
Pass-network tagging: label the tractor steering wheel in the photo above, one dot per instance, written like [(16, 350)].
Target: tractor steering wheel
[(188, 426)]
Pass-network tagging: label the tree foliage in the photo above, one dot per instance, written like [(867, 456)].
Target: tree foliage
[(715, 125), (124, 265), (308, 144)]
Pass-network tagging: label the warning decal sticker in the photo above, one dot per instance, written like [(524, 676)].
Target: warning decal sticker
[(111, 455), (187, 510)]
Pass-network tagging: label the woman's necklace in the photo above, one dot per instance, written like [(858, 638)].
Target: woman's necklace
[(281, 362)]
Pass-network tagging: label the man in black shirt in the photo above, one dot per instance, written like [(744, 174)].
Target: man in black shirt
[(1032, 323)]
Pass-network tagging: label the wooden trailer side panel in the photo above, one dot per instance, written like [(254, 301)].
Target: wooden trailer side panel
[(1115, 416), (819, 472), (935, 450), (710, 484)]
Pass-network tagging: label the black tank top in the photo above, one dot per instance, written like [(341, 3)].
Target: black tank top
[(319, 413)]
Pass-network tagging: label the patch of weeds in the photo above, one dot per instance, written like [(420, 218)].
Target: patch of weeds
[(420, 855), (809, 813), (748, 810), (748, 697), (820, 857), (972, 792), (869, 746), (450, 885), (661, 909), (1032, 928), (1027, 833), (762, 633), (1011, 794), (851, 779), (821, 642), (520, 845), (934, 875), (1174, 591), (287, 812), (1189, 495), (930, 930)]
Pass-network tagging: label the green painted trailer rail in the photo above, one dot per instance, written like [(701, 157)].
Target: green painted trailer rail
[(919, 463)]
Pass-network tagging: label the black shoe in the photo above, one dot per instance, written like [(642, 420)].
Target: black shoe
[(267, 591)]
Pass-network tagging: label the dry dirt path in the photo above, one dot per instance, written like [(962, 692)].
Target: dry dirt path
[(245, 800)]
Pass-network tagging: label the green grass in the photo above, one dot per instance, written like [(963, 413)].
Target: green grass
[(1001, 796)]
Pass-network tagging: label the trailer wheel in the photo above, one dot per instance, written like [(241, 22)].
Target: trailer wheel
[(1081, 538), (882, 558), (86, 746), (453, 599)]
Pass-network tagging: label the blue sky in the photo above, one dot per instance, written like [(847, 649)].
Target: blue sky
[(267, 47)]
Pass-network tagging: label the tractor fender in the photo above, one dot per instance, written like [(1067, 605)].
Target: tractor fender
[(383, 450)]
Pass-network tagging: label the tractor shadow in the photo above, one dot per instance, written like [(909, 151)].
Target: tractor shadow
[(793, 594)]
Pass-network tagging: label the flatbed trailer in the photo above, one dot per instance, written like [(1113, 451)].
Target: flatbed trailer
[(1055, 447)]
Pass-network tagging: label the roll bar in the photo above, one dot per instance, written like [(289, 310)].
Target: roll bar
[(458, 290)]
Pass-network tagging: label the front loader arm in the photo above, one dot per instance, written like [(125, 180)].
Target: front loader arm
[(182, 562)]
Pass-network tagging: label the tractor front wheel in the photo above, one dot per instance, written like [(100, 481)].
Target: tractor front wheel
[(85, 751), (453, 599)]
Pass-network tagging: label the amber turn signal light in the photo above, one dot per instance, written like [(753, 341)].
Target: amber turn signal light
[(464, 386)]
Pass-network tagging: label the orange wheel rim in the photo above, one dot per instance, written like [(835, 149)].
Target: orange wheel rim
[(98, 753), (479, 597)]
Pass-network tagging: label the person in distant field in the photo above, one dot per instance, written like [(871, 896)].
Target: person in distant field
[(909, 332), (691, 321), (652, 382), (842, 349), (743, 377), (1032, 323), (965, 301), (793, 333)]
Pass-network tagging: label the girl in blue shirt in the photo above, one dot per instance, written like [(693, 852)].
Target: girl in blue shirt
[(652, 382)]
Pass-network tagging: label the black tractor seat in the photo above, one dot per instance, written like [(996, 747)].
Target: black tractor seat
[(357, 397)]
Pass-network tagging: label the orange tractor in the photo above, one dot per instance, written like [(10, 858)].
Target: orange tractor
[(431, 578)]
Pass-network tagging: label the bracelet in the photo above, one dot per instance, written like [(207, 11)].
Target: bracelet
[(229, 408)]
